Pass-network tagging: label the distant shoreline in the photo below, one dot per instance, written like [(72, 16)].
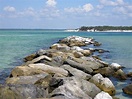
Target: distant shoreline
[(76, 30), (105, 28)]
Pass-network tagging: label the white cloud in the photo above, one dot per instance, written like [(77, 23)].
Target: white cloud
[(51, 3), (112, 3), (27, 12), (85, 8), (49, 13), (76, 10), (9, 9), (88, 7), (108, 2), (121, 10), (120, 2), (99, 6)]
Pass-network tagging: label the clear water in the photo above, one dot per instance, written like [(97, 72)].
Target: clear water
[(16, 44)]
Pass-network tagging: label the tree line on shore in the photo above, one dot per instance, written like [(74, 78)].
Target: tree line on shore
[(104, 28)]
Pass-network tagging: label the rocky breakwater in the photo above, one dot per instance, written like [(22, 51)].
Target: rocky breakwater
[(64, 71)]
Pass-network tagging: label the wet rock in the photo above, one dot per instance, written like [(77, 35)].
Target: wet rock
[(128, 89), (96, 43), (96, 57), (25, 79), (49, 69), (30, 57), (106, 71), (103, 95), (129, 74), (120, 75), (76, 72), (103, 83), (102, 51)]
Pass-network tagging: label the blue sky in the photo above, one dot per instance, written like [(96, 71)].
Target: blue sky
[(64, 14)]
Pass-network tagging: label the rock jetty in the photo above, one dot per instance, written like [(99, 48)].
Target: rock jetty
[(64, 71)]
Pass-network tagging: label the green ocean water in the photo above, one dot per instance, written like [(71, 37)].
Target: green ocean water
[(16, 44)]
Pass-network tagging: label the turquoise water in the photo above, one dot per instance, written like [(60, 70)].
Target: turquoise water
[(16, 44)]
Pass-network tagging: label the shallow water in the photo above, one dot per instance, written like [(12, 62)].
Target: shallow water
[(16, 44)]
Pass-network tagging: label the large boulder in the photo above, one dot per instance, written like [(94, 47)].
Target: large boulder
[(128, 89), (76, 41), (25, 71), (7, 93), (76, 72), (49, 69), (106, 71), (83, 67), (76, 88), (22, 92), (85, 62), (103, 95), (103, 83), (25, 79), (116, 66), (38, 59), (61, 47)]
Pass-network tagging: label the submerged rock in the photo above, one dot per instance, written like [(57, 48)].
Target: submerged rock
[(128, 89), (120, 75), (129, 74)]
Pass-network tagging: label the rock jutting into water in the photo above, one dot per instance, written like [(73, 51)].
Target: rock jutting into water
[(64, 71)]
